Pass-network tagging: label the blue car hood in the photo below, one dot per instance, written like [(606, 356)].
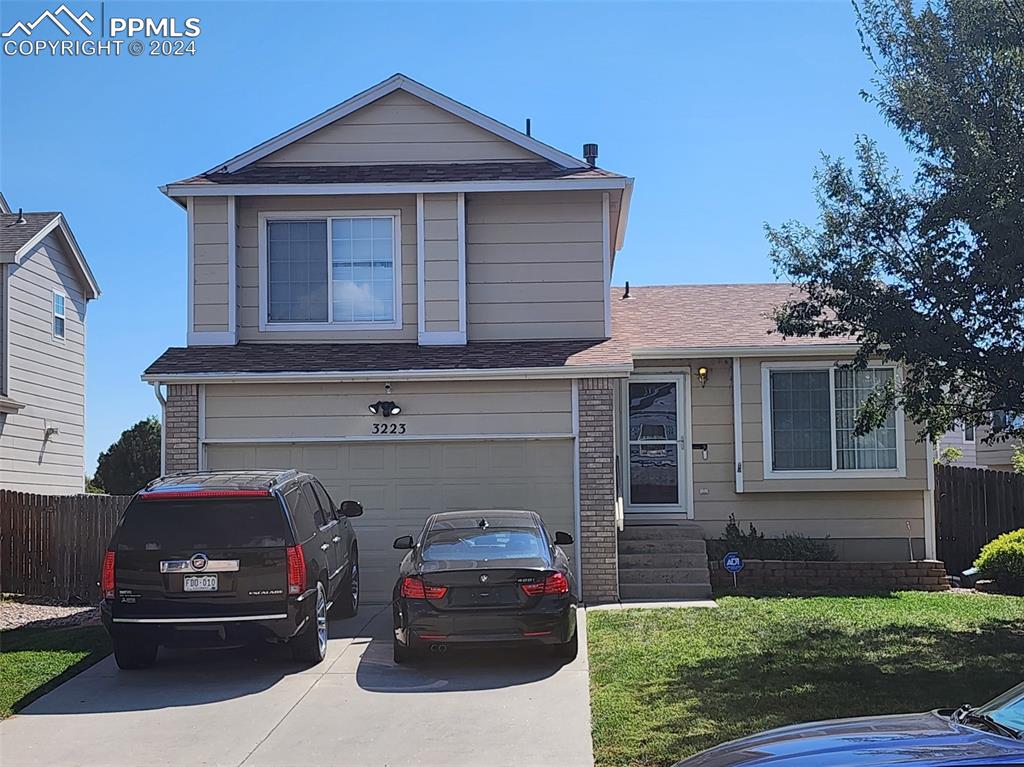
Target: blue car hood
[(922, 740)]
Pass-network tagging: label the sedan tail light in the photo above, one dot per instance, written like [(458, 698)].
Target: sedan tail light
[(296, 570), (107, 575), (415, 588), (556, 583)]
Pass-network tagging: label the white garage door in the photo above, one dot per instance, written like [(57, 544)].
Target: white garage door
[(401, 483)]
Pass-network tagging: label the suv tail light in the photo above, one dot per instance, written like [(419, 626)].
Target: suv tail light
[(414, 588), (556, 583), (107, 576), (296, 571)]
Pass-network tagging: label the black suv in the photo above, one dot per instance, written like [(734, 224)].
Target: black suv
[(203, 558)]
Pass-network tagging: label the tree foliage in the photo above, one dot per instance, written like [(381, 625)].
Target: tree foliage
[(928, 272), (131, 462)]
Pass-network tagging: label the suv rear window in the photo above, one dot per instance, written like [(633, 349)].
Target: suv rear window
[(202, 524)]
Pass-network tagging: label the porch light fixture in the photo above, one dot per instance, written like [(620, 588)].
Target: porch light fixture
[(385, 408), (702, 376)]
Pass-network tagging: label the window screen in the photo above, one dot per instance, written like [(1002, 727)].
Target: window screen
[(297, 266), (801, 420), (875, 450)]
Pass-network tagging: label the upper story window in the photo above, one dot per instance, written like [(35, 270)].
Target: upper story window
[(809, 421), (968, 432), (339, 271), (59, 315)]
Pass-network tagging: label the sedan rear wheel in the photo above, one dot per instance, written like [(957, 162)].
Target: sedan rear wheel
[(569, 650)]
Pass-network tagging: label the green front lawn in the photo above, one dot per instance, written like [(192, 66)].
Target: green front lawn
[(668, 683), (35, 660)]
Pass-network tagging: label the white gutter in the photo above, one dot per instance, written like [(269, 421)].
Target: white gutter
[(343, 376), (163, 426), (810, 350), (241, 190)]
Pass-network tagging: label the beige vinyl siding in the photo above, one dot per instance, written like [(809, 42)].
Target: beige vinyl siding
[(534, 267), (401, 484), (995, 455), (332, 411), (398, 128), (210, 264), (440, 263), (852, 511), (247, 219), (45, 374)]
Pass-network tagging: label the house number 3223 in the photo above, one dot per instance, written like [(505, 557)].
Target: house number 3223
[(387, 428)]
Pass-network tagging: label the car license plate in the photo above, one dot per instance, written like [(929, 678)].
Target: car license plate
[(200, 583)]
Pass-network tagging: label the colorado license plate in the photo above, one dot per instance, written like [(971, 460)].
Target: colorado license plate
[(200, 583)]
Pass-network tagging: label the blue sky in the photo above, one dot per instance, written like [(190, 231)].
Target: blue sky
[(719, 111)]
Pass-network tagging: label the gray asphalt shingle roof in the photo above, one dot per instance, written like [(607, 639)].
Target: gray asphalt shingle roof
[(14, 235)]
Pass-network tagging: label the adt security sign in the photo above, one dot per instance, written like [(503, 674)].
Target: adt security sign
[(733, 563)]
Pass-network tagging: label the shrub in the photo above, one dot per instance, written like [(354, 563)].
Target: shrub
[(1002, 560), (791, 547)]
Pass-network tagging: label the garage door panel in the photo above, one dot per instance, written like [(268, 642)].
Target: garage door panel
[(400, 485)]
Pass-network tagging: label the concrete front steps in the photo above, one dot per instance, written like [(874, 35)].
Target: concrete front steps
[(663, 562)]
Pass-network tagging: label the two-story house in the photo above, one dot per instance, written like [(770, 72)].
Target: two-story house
[(413, 301), (45, 286)]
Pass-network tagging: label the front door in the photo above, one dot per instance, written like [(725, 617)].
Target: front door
[(656, 458)]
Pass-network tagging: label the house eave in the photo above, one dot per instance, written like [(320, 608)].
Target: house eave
[(181, 191), (343, 376)]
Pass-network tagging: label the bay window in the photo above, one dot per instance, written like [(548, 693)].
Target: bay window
[(810, 414), (331, 271)]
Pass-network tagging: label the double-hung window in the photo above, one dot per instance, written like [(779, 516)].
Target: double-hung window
[(59, 316), (332, 271), (810, 416)]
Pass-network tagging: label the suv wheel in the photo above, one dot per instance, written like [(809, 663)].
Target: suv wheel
[(132, 653), (310, 646), (347, 604)]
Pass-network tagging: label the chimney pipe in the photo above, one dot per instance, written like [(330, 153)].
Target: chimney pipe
[(590, 154), (21, 218), (528, 126)]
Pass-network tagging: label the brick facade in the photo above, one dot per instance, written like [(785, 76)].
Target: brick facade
[(181, 428), (598, 535), (775, 577)]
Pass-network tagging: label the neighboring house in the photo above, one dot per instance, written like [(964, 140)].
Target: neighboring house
[(997, 455), (403, 250), (45, 286), (964, 439)]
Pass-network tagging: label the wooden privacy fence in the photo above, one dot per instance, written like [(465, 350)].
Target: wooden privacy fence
[(52, 545), (973, 506)]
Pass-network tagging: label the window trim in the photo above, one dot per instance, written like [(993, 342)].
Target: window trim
[(684, 463), (266, 217), (63, 315), (974, 434), (771, 473)]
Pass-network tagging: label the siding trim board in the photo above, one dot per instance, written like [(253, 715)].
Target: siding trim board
[(606, 262)]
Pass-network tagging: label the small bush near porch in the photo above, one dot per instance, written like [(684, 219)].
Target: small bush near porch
[(668, 683)]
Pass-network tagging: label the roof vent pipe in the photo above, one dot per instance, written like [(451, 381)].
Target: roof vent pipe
[(590, 154), (528, 133), (21, 218), (625, 293)]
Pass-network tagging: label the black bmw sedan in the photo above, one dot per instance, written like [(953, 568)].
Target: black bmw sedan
[(484, 577)]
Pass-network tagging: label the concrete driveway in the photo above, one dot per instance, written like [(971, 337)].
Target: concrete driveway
[(229, 707)]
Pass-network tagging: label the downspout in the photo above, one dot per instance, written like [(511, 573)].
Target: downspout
[(163, 423)]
